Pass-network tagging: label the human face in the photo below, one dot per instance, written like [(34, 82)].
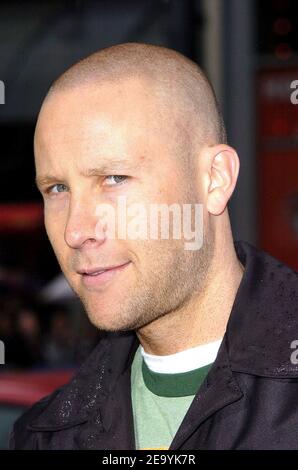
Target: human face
[(119, 129)]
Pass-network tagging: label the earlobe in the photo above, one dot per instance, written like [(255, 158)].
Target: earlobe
[(224, 170)]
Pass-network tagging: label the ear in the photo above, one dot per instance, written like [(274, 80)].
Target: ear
[(223, 173)]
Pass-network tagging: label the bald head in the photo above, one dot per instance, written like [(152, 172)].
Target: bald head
[(177, 81)]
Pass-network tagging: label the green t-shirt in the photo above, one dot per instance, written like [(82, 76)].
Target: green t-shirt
[(160, 402)]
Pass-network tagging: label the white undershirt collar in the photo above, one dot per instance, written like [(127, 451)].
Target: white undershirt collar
[(183, 361)]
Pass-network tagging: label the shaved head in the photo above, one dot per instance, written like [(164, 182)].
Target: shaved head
[(176, 80)]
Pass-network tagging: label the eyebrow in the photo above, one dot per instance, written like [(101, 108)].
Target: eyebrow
[(105, 168), (44, 180)]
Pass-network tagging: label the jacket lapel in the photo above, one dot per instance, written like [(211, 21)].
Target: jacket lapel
[(219, 389), (97, 401), (116, 414)]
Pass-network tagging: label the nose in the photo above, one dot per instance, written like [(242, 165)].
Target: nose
[(82, 226)]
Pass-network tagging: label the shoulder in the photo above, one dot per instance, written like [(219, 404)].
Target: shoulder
[(21, 436), (264, 321)]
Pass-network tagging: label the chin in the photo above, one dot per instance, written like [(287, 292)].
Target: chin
[(111, 327), (108, 319)]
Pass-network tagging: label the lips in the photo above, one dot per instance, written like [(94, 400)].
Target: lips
[(99, 277), (98, 270)]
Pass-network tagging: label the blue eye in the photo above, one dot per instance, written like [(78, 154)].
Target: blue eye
[(117, 178), (60, 188)]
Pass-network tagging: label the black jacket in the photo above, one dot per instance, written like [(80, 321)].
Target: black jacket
[(249, 399)]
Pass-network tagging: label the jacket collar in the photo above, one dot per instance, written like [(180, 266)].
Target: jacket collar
[(91, 386), (219, 389), (262, 324)]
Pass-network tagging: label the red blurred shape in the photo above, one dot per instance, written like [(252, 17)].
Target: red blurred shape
[(26, 388), (21, 217), (283, 51), (282, 26)]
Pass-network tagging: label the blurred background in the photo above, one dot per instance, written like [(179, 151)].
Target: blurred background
[(249, 50)]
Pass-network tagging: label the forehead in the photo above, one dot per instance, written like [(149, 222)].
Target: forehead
[(132, 100), (113, 118)]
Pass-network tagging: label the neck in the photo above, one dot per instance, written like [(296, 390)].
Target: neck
[(204, 318)]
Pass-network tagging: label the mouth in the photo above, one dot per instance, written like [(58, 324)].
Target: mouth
[(93, 277)]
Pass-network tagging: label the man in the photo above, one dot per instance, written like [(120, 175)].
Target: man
[(197, 350)]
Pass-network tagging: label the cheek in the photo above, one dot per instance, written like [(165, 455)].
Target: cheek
[(167, 190), (55, 228), (56, 237)]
